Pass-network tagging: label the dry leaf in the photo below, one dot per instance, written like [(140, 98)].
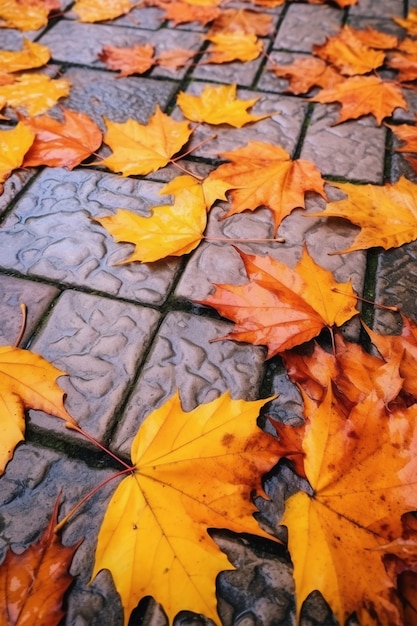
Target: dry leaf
[(206, 191), (182, 13), (175, 58), (144, 148), (362, 95), (193, 471), (62, 144), (306, 73), (406, 133), (263, 174), (23, 14), (233, 46), (13, 146), (218, 105), (35, 93), (281, 307), (134, 60), (409, 23), (27, 381), (406, 64), (33, 583), (242, 20), (97, 11), (387, 215), (32, 55), (375, 38)]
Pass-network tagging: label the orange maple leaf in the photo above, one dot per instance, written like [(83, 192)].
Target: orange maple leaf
[(33, 583), (405, 63), (242, 20), (134, 60), (406, 133), (183, 12), (23, 14), (13, 146), (409, 23), (97, 11), (375, 38), (263, 174), (306, 73), (362, 95), (175, 58), (62, 144), (282, 307), (233, 46)]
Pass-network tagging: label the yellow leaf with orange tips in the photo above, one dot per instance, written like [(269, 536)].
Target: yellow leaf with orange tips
[(144, 148), (32, 55), (347, 52), (218, 105), (13, 146), (35, 93), (207, 191), (193, 471), (233, 46), (27, 381), (23, 14), (243, 20), (172, 230), (174, 59), (97, 11)]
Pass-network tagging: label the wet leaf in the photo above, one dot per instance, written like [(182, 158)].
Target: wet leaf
[(306, 73), (23, 14), (34, 93), (32, 55)]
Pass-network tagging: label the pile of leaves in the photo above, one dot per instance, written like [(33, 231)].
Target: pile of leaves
[(351, 532)]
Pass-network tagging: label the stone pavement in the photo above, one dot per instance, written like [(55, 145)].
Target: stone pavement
[(128, 336)]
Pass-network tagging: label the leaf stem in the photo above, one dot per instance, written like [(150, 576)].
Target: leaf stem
[(23, 310), (228, 240), (90, 438), (393, 308)]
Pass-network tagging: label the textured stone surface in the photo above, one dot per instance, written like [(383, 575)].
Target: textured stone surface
[(375, 9), (50, 234), (99, 343), (13, 185), (36, 297), (270, 81), (183, 358), (306, 25)]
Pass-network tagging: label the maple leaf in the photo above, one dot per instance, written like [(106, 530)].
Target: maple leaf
[(23, 14), (334, 540), (134, 60), (405, 63), (27, 381), (409, 23), (144, 148), (97, 11), (408, 45), (347, 52), (282, 307), (386, 214), (306, 73), (270, 4), (405, 133), (362, 95), (206, 191), (62, 144), (233, 46), (36, 93), (175, 58), (263, 174), (375, 38), (218, 105), (32, 55), (13, 146), (193, 471), (172, 230), (182, 12), (242, 20), (33, 583)]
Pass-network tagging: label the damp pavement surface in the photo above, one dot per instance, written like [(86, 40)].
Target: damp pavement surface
[(129, 335)]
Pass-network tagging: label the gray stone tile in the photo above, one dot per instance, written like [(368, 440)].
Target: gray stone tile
[(35, 296), (98, 342), (354, 149), (282, 128), (370, 8), (13, 185), (268, 80), (99, 94), (305, 25), (183, 358), (407, 115), (383, 25), (237, 72), (28, 491), (50, 234)]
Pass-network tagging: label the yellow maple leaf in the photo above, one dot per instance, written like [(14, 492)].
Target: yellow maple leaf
[(13, 146), (27, 381), (409, 23), (33, 55), (206, 191), (36, 93), (218, 105), (144, 148), (234, 46), (23, 15), (193, 471), (97, 11), (172, 230)]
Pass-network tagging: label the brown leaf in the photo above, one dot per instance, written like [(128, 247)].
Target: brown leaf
[(406, 64), (134, 60), (243, 20), (175, 58), (306, 73), (183, 12)]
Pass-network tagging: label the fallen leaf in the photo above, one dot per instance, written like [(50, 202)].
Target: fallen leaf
[(35, 93), (144, 148), (363, 95), (27, 381), (23, 14), (14, 144), (306, 73), (218, 105), (269, 4), (62, 144), (134, 60), (347, 52), (183, 13), (175, 58), (193, 471), (206, 191), (32, 55), (406, 64), (408, 45), (375, 38), (242, 20), (290, 441), (33, 583), (263, 175), (406, 133), (97, 11), (409, 23), (233, 46), (282, 307), (334, 539), (172, 230), (387, 215)]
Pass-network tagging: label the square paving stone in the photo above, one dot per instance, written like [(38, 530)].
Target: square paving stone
[(100, 94), (305, 25), (13, 185), (234, 73), (99, 343), (371, 8), (269, 81), (35, 296), (183, 357), (354, 149), (51, 234)]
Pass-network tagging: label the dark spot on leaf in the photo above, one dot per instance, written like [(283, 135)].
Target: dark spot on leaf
[(227, 439)]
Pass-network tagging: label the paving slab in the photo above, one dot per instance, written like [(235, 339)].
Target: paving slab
[(306, 25)]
